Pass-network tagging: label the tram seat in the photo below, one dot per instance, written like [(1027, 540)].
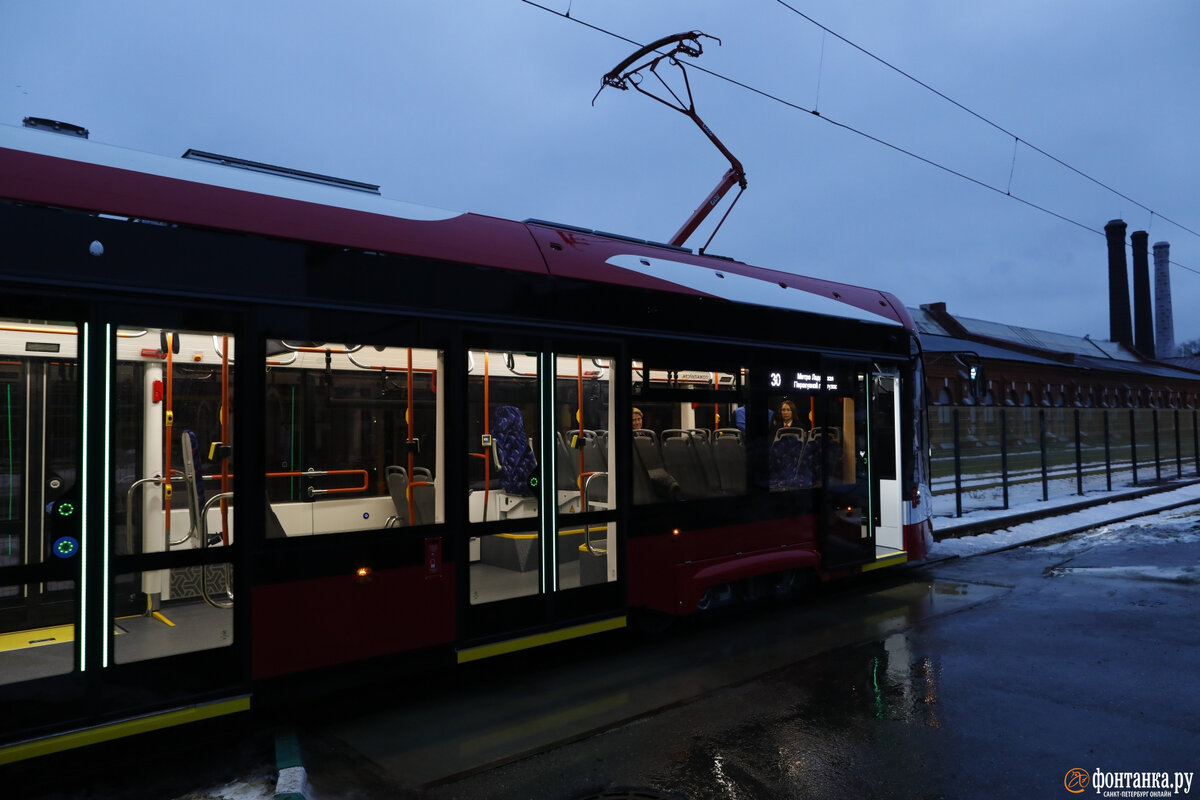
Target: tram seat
[(681, 458), (423, 495), (651, 481), (834, 433), (729, 453), (567, 466), (797, 433), (702, 438), (595, 466), (786, 454), (397, 483), (595, 451), (812, 459), (513, 450)]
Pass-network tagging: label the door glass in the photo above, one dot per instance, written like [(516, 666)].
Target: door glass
[(504, 414), (171, 430), (585, 471), (39, 498), (884, 460), (843, 430)]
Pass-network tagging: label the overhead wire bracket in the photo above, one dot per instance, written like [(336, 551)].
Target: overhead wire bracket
[(630, 73)]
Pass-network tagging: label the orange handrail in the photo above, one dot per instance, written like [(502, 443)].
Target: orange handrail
[(408, 418), (224, 413), (312, 473), (169, 433)]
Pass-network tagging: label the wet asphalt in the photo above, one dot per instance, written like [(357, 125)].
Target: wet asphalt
[(991, 676)]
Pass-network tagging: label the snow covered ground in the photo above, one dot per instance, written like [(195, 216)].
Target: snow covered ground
[(1147, 511)]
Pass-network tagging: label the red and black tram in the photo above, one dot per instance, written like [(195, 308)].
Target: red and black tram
[(257, 425)]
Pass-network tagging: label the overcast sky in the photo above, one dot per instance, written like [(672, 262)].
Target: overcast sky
[(486, 106)]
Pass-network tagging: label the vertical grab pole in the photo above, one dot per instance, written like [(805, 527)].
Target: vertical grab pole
[(487, 430), (168, 434), (579, 422), (408, 419), (225, 412)]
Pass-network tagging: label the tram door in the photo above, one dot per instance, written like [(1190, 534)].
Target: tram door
[(39, 498), (861, 517), (542, 547)]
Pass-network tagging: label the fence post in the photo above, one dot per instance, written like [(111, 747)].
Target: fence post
[(1157, 460), (1178, 452), (1133, 444), (1004, 455), (1045, 471), (957, 468), (1195, 441), (1078, 458), (1108, 454)]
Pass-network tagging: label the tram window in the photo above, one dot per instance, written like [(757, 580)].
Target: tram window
[(352, 437), (685, 448), (812, 426)]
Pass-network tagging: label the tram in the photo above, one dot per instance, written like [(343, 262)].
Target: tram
[(260, 424)]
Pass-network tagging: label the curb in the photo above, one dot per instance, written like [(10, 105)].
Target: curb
[(292, 783)]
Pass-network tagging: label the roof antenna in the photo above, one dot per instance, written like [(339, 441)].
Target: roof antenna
[(625, 74)]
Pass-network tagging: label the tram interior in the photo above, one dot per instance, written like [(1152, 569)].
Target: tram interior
[(354, 442)]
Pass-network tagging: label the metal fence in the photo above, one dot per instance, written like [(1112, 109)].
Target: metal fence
[(991, 457)]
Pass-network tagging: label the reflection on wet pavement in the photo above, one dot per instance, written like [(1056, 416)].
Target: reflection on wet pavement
[(523, 706), (831, 728)]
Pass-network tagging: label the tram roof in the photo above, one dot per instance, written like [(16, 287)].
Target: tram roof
[(42, 167)]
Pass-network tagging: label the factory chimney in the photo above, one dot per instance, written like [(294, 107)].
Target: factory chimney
[(1120, 327), (1164, 321), (1143, 315)]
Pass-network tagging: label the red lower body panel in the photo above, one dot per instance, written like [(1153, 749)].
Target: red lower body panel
[(303, 625)]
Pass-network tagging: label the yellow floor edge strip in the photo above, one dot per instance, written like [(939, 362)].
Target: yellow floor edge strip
[(539, 639), (887, 561), (19, 640), (120, 729)]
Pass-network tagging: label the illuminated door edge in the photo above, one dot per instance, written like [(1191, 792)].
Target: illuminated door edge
[(547, 468), (106, 531), (85, 550)]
